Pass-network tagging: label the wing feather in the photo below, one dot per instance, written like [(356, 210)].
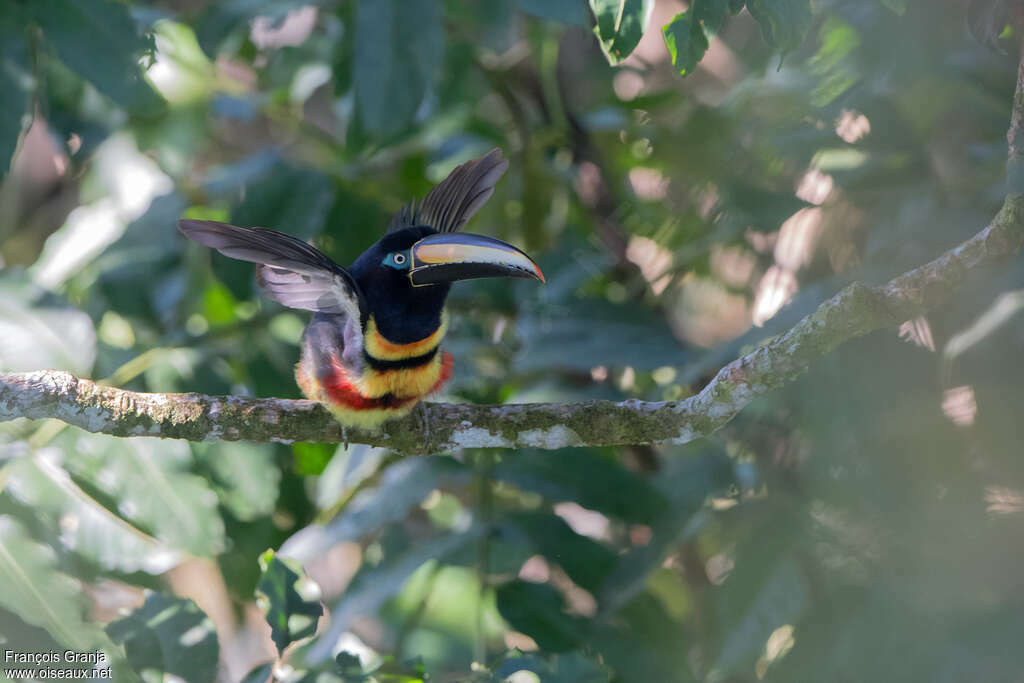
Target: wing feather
[(293, 273), (455, 199)]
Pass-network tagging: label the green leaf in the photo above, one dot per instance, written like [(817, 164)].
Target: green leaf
[(399, 45), (244, 476), (585, 560), (15, 82), (346, 469), (686, 42), (686, 483), (169, 635), (784, 23), (86, 527), (99, 40), (711, 14), (766, 590), (404, 484), (39, 337), (779, 601), (38, 593), (374, 585), (537, 610), (287, 198), (629, 335), (154, 490), (620, 25), (289, 599), (565, 11), (608, 487), (220, 19)]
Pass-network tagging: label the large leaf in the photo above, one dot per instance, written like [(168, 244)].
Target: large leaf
[(620, 25), (608, 487), (15, 82), (686, 42), (686, 36), (346, 469), (154, 490), (42, 336), (686, 483), (537, 610), (373, 586), (219, 19), (784, 23), (99, 40), (586, 561), (767, 589), (86, 527), (168, 636), (289, 599), (405, 483), (39, 594), (244, 475), (399, 45), (594, 332), (287, 198)]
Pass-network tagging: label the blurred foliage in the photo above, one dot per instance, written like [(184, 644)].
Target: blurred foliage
[(861, 524)]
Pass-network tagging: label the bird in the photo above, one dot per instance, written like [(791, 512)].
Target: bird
[(371, 350)]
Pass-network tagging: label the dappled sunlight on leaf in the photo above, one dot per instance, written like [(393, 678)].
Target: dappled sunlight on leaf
[(777, 287), (852, 126), (1004, 501), (960, 406), (918, 332), (268, 32)]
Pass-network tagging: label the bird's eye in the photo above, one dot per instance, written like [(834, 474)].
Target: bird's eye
[(399, 259)]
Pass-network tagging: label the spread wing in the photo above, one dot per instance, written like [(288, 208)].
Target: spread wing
[(292, 273), (456, 198)]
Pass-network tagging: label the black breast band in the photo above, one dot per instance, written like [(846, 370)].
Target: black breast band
[(400, 364)]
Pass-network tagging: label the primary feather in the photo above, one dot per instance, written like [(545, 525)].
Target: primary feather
[(293, 273), (450, 204)]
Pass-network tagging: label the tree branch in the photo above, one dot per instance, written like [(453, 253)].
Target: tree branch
[(855, 311)]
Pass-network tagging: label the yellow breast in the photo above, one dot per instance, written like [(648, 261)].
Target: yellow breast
[(401, 382)]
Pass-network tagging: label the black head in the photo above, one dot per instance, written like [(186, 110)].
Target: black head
[(403, 313), (405, 277)]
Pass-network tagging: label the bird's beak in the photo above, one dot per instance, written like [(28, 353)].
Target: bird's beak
[(448, 256)]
